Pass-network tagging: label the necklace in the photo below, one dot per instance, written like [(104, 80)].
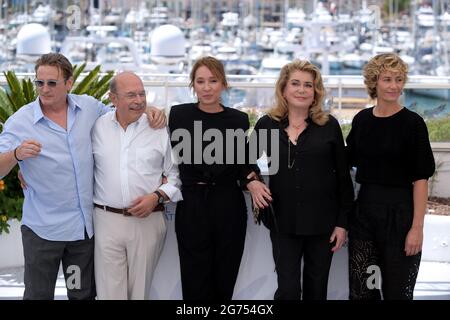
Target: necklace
[(299, 126), (290, 164)]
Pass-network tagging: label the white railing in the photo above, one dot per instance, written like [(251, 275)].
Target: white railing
[(268, 81), (331, 81), (256, 91)]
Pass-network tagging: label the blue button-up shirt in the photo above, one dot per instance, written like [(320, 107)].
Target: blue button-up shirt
[(58, 199)]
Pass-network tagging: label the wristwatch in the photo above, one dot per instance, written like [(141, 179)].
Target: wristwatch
[(160, 197)]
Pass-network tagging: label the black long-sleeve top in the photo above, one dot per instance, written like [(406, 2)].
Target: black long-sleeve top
[(391, 151), (316, 194), (231, 168)]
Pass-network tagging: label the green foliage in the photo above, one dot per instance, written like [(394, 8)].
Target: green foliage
[(92, 84), (439, 129), (77, 71), (346, 129), (11, 200), (399, 6), (253, 118), (5, 107), (20, 93)]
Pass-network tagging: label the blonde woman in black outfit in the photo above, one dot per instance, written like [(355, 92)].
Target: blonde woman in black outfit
[(311, 193), (389, 146)]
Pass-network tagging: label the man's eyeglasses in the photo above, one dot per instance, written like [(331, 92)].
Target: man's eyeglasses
[(50, 83)]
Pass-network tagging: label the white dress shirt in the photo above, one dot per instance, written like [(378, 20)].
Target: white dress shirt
[(130, 163)]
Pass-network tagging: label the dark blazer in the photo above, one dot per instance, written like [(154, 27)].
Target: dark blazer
[(183, 117)]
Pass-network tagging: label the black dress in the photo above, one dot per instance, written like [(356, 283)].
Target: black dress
[(211, 221), (390, 153), (312, 194)]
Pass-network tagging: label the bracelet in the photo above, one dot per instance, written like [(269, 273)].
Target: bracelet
[(15, 155), (246, 181)]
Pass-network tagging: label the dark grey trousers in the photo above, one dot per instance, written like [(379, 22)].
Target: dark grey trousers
[(42, 260)]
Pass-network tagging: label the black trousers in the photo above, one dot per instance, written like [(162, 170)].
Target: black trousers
[(288, 251), (42, 260), (210, 225), (378, 265)]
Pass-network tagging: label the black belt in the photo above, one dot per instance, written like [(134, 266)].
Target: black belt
[(159, 207), (206, 187), (190, 184)]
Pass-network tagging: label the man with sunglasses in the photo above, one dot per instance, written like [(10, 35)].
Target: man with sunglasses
[(50, 139)]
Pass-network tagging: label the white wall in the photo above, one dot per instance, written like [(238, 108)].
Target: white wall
[(256, 279), (439, 184), (11, 250), (436, 241)]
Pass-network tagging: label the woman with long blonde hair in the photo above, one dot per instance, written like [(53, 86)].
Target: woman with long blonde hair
[(312, 192)]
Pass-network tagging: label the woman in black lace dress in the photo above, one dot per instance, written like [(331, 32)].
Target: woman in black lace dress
[(389, 146)]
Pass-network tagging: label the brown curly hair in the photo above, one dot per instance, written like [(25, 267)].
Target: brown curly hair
[(280, 110), (379, 64)]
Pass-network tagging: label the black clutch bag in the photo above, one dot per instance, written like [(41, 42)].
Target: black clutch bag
[(266, 216)]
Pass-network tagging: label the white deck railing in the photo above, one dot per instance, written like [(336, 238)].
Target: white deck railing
[(338, 86)]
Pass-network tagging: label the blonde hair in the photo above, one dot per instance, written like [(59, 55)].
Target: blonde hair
[(379, 64), (214, 65), (280, 110)]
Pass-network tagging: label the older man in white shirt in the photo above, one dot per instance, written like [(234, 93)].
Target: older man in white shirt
[(130, 161)]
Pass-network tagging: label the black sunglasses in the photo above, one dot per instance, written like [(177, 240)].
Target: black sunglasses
[(50, 83)]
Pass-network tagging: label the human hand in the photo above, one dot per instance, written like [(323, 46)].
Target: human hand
[(339, 235), (143, 206), (23, 184), (414, 241), (261, 195), (28, 149), (156, 117)]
